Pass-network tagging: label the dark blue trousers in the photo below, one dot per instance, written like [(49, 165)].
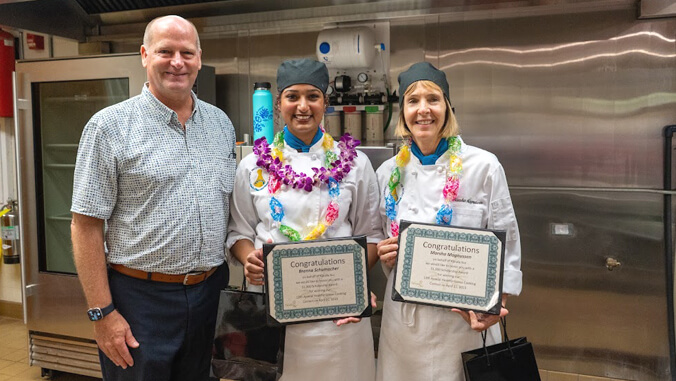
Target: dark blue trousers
[(174, 325)]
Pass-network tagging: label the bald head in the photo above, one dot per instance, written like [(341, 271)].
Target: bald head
[(164, 21)]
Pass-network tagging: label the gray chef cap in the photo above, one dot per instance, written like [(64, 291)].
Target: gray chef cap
[(305, 71), (422, 71)]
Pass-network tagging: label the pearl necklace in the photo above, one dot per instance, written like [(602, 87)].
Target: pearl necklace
[(450, 191)]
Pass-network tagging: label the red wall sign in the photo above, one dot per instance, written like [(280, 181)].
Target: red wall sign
[(35, 42)]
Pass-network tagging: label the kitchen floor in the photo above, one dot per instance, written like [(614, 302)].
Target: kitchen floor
[(14, 355), (14, 359)]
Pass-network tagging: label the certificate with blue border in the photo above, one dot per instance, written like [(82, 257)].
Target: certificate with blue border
[(317, 280), (448, 266)]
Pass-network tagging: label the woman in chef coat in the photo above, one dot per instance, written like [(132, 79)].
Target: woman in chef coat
[(340, 201), (435, 178)]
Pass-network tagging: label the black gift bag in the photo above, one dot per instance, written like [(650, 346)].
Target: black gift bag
[(511, 360), (245, 347)]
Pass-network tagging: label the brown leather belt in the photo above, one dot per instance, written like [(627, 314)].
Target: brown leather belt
[(188, 279)]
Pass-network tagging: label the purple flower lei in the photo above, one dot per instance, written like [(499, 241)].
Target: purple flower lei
[(338, 169)]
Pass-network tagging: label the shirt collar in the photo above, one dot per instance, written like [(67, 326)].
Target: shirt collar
[(165, 112)]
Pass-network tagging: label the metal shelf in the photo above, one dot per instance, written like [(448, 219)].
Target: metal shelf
[(60, 166)]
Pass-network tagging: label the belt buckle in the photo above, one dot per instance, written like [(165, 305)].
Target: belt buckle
[(188, 275)]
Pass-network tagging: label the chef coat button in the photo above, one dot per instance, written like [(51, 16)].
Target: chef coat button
[(440, 169), (314, 156), (414, 173), (310, 224), (275, 224), (414, 210), (284, 187)]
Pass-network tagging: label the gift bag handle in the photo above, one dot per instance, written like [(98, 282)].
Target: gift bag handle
[(505, 338), (244, 287), (483, 337)]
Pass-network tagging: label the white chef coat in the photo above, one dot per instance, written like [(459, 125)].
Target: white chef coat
[(423, 343), (321, 350)]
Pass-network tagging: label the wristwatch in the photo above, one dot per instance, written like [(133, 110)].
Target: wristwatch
[(97, 313)]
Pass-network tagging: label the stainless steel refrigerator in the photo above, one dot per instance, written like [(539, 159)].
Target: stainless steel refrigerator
[(54, 99)]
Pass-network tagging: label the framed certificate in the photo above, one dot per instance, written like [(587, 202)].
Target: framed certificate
[(317, 280), (450, 267)]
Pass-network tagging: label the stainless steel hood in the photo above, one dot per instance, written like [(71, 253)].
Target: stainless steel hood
[(108, 6), (118, 20)]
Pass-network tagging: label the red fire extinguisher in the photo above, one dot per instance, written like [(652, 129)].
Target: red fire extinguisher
[(6, 70), (9, 232)]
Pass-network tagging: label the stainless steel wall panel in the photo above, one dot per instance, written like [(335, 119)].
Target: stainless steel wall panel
[(252, 58), (222, 56), (407, 46), (580, 316), (565, 101)]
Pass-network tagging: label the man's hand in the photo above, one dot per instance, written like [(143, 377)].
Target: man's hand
[(113, 336)]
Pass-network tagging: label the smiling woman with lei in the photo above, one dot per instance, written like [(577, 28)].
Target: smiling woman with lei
[(437, 178), (305, 186)]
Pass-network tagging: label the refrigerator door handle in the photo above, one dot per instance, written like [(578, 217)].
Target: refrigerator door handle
[(20, 106), (668, 133)]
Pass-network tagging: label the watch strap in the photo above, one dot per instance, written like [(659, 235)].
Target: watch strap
[(107, 309)]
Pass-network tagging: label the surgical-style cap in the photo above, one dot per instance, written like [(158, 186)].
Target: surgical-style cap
[(305, 71), (422, 71)]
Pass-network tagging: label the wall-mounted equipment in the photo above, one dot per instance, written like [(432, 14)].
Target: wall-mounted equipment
[(358, 60)]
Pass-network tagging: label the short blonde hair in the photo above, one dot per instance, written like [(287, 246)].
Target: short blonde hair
[(450, 127)]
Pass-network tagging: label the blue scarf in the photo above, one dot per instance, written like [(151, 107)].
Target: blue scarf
[(430, 159), (292, 141)]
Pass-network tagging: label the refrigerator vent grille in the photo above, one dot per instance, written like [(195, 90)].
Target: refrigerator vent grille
[(65, 355)]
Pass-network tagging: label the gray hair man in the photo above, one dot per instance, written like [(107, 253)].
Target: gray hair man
[(157, 170)]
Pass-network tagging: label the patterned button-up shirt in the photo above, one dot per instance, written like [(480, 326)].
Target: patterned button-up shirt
[(162, 190)]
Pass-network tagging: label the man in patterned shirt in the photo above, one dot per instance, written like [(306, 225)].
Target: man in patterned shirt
[(150, 208)]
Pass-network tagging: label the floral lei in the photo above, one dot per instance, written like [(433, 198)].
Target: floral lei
[(450, 191), (339, 166)]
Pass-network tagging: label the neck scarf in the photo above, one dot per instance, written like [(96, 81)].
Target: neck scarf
[(432, 158), (292, 141)]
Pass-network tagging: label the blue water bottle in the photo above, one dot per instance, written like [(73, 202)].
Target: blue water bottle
[(262, 111)]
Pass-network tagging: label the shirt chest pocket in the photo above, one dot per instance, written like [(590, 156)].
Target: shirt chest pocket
[(224, 170), (468, 216)]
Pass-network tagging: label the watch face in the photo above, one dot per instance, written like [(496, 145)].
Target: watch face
[(95, 314)]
